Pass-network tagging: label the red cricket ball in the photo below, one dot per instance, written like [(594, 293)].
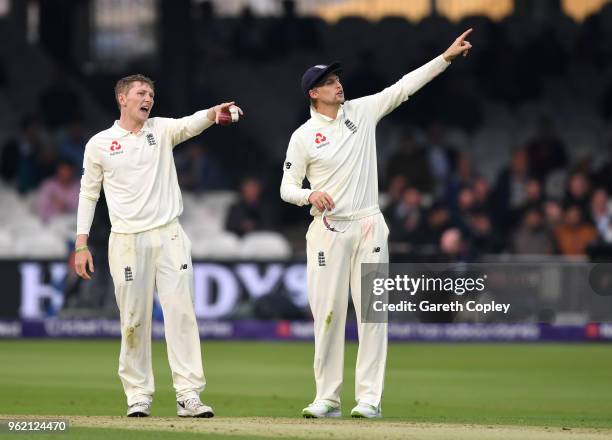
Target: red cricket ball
[(225, 118)]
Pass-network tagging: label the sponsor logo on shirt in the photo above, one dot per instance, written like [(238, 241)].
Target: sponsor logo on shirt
[(115, 148), (287, 165), (320, 140)]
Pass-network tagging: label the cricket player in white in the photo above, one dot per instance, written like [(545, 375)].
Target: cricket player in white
[(148, 249), (336, 150)]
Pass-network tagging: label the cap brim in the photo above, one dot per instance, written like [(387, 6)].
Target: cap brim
[(334, 67)]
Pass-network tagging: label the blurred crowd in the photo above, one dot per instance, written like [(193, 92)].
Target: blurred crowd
[(438, 197), (539, 203)]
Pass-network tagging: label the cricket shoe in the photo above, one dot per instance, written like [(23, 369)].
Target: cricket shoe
[(366, 411), (140, 409), (320, 409), (193, 408)]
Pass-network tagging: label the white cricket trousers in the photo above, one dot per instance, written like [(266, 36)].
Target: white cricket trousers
[(333, 264), (140, 263)]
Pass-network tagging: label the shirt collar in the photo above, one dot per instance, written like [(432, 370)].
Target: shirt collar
[(121, 132), (315, 114)]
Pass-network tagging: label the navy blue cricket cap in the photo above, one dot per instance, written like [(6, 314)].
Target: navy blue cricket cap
[(315, 74)]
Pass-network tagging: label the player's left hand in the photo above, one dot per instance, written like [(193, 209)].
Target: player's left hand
[(214, 112), (459, 47)]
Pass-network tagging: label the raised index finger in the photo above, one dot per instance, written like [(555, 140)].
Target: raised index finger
[(464, 35)]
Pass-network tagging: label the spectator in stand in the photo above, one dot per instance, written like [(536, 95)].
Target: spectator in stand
[(410, 161), (553, 214), (72, 143), (406, 217), (482, 192), (533, 237), (250, 213), (452, 249), (601, 215), (604, 175), (59, 194), (480, 235), (510, 190), (197, 170), (28, 159), (578, 192), (546, 151), (463, 177), (438, 220), (442, 156), (397, 186), (452, 246), (461, 208), (534, 199), (574, 234)]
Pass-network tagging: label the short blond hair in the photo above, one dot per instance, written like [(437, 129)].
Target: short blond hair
[(125, 83)]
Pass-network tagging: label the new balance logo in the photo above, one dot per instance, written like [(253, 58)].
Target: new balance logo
[(287, 165), (183, 267), (321, 258), (376, 250), (350, 125), (128, 274), (151, 139)]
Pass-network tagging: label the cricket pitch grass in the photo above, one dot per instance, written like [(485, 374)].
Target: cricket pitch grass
[(432, 391)]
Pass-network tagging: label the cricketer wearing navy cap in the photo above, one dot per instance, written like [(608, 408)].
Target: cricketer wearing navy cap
[(336, 150), (315, 74)]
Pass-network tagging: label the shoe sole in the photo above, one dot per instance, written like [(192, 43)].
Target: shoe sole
[(361, 416), (138, 414), (206, 415), (308, 415)]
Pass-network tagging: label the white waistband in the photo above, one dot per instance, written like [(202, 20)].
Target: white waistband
[(355, 215)]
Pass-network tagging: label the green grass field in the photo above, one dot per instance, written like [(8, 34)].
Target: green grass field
[(551, 386)]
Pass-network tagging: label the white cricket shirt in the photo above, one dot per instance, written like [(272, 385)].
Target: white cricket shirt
[(137, 172), (338, 156)]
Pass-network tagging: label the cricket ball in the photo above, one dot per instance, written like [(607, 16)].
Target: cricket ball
[(231, 115)]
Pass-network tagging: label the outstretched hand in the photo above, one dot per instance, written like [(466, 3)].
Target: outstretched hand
[(459, 47), (214, 112)]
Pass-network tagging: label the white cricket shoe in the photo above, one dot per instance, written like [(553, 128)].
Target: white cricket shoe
[(193, 408), (321, 409), (139, 409), (366, 411)]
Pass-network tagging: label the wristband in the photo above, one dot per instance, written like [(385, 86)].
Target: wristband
[(81, 248)]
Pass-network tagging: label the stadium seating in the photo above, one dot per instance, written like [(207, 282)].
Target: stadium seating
[(265, 246)]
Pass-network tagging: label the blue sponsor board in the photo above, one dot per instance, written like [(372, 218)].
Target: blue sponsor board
[(303, 331)]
